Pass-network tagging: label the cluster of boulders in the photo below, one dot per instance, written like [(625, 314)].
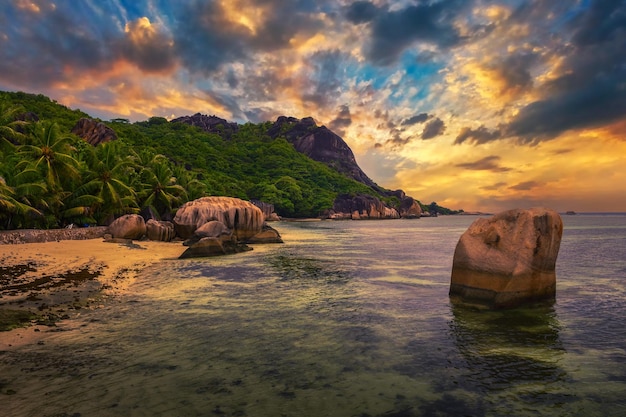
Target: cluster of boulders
[(209, 226), (367, 207)]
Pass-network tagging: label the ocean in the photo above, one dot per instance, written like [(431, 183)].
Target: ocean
[(346, 318)]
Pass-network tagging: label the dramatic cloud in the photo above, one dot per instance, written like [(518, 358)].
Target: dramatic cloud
[(488, 163), (525, 186), (477, 136), (493, 187), (342, 121), (148, 47), (536, 83), (433, 128), (211, 34), (392, 31), (418, 118)]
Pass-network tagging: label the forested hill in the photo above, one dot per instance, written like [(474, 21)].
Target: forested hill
[(51, 177)]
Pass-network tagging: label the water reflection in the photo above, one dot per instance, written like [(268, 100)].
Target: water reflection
[(512, 357)]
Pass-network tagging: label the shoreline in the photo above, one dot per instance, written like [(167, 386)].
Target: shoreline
[(44, 284)]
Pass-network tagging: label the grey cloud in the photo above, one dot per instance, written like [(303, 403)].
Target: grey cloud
[(514, 70), (206, 41), (361, 12), (600, 102), (433, 128), (396, 140), (342, 121), (591, 91), (41, 46), (203, 41), (326, 76), (151, 52), (477, 136), (258, 114), (488, 163), (605, 21), (525, 186), (392, 31), (493, 187), (418, 118)]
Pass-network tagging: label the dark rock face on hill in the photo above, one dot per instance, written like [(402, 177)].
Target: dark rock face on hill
[(320, 144), (93, 132), (211, 124), (323, 145)]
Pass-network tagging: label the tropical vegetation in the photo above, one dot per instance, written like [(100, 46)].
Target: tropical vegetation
[(51, 178)]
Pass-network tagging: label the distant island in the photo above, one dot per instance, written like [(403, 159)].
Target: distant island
[(62, 167)]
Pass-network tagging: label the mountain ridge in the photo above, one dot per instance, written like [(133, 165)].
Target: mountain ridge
[(323, 145)]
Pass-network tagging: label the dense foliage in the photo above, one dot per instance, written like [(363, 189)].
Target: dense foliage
[(51, 178)]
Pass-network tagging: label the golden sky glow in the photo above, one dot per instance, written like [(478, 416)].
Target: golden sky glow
[(480, 105)]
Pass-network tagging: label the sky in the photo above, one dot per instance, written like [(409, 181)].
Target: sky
[(474, 104)]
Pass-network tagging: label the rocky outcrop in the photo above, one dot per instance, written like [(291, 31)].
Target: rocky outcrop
[(212, 228), (212, 239), (267, 209), (210, 124), (129, 226), (410, 208), (161, 231), (321, 144), (267, 235), (242, 217), (93, 132), (360, 207), (508, 259), (211, 246)]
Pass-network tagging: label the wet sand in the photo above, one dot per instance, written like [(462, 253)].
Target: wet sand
[(44, 284)]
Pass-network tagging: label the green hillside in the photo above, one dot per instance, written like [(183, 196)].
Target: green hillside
[(51, 178)]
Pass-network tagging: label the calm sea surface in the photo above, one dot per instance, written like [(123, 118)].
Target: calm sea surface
[(344, 319)]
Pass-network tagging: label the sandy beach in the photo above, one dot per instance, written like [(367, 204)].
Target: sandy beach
[(43, 284)]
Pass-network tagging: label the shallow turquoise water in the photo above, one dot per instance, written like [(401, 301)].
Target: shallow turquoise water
[(344, 319)]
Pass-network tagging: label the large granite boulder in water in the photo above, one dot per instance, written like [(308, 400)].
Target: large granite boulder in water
[(242, 217), (129, 226), (508, 259)]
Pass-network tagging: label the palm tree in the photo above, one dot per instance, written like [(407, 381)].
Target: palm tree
[(194, 187), (51, 154), (14, 212), (160, 192), (9, 126), (105, 191)]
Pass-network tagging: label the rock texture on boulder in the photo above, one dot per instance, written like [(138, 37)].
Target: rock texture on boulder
[(267, 235), (212, 239), (508, 259), (161, 231), (93, 132), (267, 209), (129, 226), (242, 217)]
